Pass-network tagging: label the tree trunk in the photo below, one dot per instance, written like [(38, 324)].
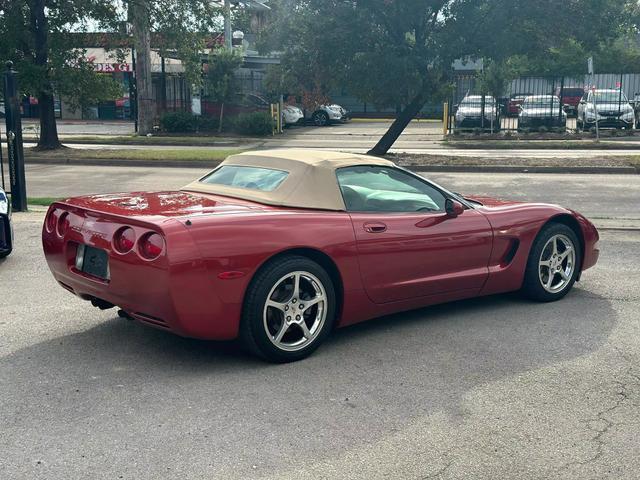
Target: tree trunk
[(40, 32), (221, 117), (48, 128), (398, 126), (139, 18)]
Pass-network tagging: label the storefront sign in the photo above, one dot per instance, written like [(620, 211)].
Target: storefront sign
[(112, 67)]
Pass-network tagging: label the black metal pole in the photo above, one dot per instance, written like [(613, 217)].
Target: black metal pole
[(134, 100), (1, 162), (14, 141)]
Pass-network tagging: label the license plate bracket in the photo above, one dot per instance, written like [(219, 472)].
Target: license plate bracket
[(93, 261)]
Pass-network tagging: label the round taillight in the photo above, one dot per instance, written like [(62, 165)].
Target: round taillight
[(151, 246), (51, 221), (63, 224), (124, 240)]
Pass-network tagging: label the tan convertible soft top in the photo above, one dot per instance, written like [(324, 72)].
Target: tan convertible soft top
[(311, 182)]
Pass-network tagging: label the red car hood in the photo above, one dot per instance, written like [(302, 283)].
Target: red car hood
[(165, 204)]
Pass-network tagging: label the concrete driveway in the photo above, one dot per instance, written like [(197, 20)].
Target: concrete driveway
[(490, 388)]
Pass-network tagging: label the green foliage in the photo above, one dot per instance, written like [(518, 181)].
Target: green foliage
[(61, 65), (184, 26), (495, 77), (387, 52), (179, 122), (187, 122), (220, 80), (256, 123)]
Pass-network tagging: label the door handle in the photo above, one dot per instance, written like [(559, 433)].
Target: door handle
[(377, 227)]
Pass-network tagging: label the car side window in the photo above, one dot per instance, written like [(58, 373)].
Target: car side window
[(385, 189)]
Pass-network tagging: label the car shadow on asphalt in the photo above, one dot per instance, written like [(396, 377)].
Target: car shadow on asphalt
[(379, 374), (494, 335)]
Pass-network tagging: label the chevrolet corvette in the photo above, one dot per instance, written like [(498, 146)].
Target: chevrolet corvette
[(278, 247)]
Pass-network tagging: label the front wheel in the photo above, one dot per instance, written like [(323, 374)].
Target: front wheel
[(553, 264), (289, 309), (321, 119)]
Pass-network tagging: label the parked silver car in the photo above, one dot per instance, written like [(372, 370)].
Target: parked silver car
[(611, 108), (541, 111), (6, 229)]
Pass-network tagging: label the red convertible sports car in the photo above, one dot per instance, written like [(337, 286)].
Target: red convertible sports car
[(279, 247)]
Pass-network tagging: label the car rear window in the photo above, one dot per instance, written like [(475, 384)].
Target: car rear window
[(253, 178), (573, 92)]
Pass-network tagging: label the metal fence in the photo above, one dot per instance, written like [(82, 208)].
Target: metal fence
[(543, 103)]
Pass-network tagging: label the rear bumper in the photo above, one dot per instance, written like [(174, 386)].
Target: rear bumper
[(174, 292)]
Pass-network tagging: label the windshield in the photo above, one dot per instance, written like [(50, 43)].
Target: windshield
[(254, 178), (538, 102), (476, 101), (610, 97)]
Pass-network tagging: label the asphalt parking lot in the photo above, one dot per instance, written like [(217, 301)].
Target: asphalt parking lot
[(489, 388)]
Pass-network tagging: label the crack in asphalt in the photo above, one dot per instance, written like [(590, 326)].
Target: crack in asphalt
[(622, 392)]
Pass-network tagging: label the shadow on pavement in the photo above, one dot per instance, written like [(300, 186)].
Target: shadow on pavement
[(121, 381)]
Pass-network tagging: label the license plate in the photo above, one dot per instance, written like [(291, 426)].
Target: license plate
[(93, 261)]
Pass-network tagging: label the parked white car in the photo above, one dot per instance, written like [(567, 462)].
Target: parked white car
[(611, 107), (292, 115), (328, 114)]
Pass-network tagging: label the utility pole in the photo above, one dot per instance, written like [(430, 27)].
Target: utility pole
[(227, 24), (14, 141)]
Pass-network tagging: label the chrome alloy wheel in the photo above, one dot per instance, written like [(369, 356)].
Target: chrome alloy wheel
[(295, 311), (557, 263)]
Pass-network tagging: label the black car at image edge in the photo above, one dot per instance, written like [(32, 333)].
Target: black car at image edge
[(6, 230)]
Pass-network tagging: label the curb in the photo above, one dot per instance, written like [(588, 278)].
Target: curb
[(628, 170), (521, 169)]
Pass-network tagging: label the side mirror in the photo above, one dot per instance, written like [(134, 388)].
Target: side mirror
[(453, 208)]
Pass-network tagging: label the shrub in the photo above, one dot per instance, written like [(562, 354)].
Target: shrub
[(207, 124), (257, 123), (179, 122)]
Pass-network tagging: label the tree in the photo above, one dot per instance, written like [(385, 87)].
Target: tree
[(400, 52), (35, 36), (220, 82), (181, 27)]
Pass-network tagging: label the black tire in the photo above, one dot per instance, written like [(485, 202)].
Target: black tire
[(253, 325), (320, 119), (532, 286)]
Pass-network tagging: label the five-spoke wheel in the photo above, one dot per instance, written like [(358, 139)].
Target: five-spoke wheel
[(553, 263), (289, 309)]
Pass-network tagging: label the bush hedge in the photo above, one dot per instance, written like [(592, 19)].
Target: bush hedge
[(256, 123)]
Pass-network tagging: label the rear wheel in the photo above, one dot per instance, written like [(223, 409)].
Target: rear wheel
[(553, 264), (289, 309)]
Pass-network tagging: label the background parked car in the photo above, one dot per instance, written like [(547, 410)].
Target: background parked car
[(539, 111), (328, 114), (242, 103), (635, 103), (611, 107), (571, 97), (477, 111), (513, 107), (292, 115), (6, 229)]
